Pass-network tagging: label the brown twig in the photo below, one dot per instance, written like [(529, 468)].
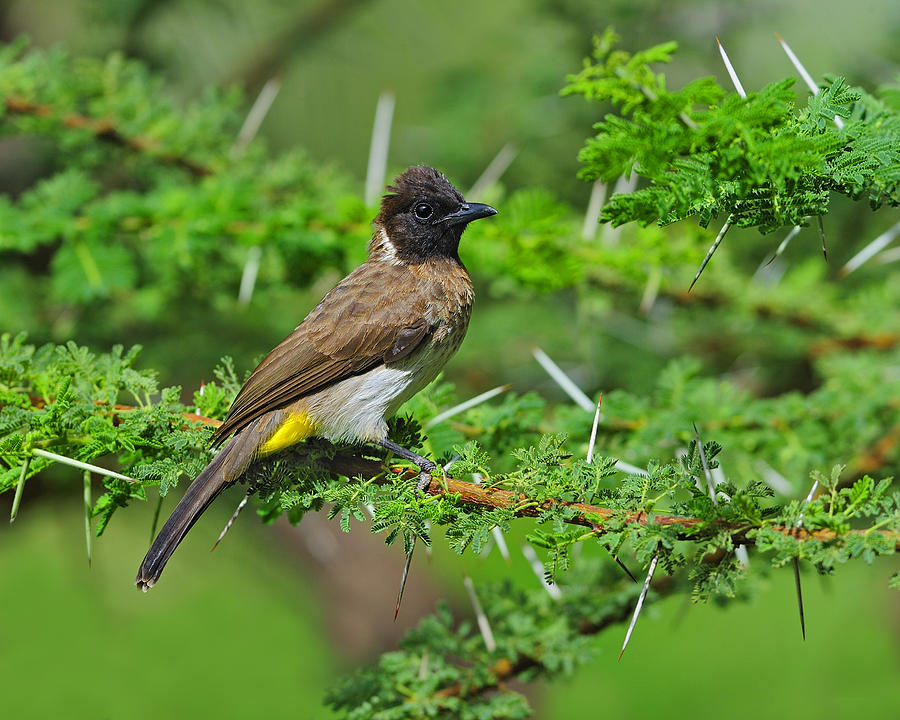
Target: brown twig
[(105, 130), (193, 417), (39, 402), (593, 516), (883, 341), (795, 318), (714, 300)]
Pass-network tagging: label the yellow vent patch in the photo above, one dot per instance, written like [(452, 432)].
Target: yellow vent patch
[(297, 427)]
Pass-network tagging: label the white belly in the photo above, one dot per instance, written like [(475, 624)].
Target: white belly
[(355, 409)]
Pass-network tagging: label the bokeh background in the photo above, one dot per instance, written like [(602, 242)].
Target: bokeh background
[(270, 619)]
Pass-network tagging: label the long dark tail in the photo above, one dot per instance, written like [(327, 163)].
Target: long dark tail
[(207, 485)]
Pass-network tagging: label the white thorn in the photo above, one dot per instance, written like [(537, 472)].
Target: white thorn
[(773, 478), (625, 467), (590, 451), (495, 169), (782, 246), (538, 567), (640, 603), (248, 277), (888, 256), (711, 486), (483, 625), (378, 149), (320, 542), (257, 114), (731, 72), (563, 380), (500, 541), (81, 465), (872, 249), (651, 290), (809, 497), (595, 206), (623, 186), (403, 578), (470, 403), (87, 516), (712, 250), (807, 78), (234, 516)]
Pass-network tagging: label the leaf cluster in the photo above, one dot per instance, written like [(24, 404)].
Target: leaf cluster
[(147, 205), (442, 667), (70, 399), (93, 408), (706, 152)]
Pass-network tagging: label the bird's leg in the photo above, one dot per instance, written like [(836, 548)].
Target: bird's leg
[(426, 466)]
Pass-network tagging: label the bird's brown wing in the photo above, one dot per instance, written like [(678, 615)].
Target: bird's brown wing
[(359, 325)]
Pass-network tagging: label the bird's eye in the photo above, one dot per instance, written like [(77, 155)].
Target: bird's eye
[(423, 211)]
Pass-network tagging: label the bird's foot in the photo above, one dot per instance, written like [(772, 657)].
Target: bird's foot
[(426, 466)]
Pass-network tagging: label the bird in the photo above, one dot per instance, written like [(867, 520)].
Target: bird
[(377, 338)]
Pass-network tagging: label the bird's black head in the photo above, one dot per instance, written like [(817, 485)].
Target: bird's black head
[(422, 217)]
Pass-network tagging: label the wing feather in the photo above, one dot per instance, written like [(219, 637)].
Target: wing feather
[(359, 325)]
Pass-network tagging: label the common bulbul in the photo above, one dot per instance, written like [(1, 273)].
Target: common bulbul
[(377, 338)]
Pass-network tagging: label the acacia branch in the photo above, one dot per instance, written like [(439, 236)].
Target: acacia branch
[(39, 402), (349, 464), (831, 342), (586, 515), (593, 516), (106, 131)]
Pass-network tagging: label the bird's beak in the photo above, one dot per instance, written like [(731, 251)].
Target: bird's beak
[(467, 213)]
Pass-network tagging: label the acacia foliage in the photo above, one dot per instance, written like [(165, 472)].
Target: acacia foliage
[(184, 210), (68, 400), (147, 206), (708, 152)]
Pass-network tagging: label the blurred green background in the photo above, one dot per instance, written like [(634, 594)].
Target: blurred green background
[(265, 623)]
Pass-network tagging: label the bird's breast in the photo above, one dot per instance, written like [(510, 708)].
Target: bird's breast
[(447, 291), (356, 408)]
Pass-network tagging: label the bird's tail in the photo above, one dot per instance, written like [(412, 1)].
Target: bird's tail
[(207, 485)]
